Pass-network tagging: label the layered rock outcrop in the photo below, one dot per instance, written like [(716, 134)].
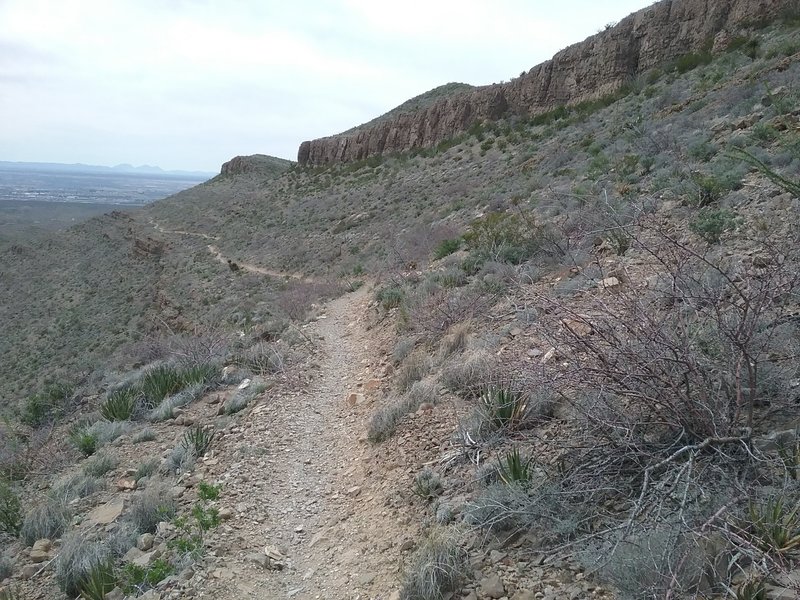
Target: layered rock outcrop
[(591, 69)]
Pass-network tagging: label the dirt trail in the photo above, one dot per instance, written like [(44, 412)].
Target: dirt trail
[(304, 484), (160, 229), (254, 268)]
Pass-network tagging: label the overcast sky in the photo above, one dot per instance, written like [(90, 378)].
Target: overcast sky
[(187, 84)]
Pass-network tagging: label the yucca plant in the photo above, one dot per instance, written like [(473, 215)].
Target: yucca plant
[(197, 440), (159, 382), (752, 589), (504, 407), (98, 582), (513, 468), (120, 404), (199, 374), (774, 527)]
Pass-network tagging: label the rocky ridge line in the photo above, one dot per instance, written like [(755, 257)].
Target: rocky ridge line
[(591, 69)]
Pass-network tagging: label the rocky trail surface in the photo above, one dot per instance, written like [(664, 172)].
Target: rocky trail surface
[(305, 522)]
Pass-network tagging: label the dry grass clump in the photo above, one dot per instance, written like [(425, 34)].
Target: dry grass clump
[(435, 569), (466, 376), (75, 486), (100, 464), (413, 369), (48, 520), (385, 420), (456, 338), (151, 506)]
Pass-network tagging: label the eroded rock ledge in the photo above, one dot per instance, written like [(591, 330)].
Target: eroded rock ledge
[(591, 69)]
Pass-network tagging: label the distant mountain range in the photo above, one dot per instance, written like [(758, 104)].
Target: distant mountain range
[(81, 168)]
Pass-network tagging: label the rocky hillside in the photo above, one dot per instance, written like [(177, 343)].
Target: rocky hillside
[(594, 68)]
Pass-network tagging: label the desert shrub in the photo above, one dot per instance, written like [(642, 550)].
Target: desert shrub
[(120, 404), (466, 376), (106, 432), (402, 348), (166, 408), (455, 339), (85, 567), (10, 511), (691, 61), (508, 238), (435, 569), (710, 224), (446, 248), (6, 568), (48, 520), (84, 439), (134, 579), (384, 421), (208, 491), (150, 507), (145, 435), (413, 369), (451, 277), (265, 358), (46, 406), (75, 486), (159, 382), (390, 296), (427, 484), (147, 469), (99, 464), (178, 460)]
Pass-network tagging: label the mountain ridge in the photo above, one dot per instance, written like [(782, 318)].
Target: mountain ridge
[(596, 67)]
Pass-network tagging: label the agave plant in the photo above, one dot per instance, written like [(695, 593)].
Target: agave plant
[(774, 527), (120, 405), (504, 407), (513, 468), (98, 582), (752, 589), (198, 440)]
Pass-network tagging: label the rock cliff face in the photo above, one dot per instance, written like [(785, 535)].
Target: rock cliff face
[(594, 68)]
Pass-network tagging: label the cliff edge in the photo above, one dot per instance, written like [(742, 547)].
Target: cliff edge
[(593, 68)]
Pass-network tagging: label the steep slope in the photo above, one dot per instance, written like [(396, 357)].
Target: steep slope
[(596, 67)]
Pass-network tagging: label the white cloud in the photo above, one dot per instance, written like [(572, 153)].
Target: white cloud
[(189, 83)]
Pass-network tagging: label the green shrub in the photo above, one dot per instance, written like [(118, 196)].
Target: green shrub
[(507, 238), (446, 248), (711, 224), (10, 510), (46, 406), (208, 491), (691, 61), (390, 296), (120, 404), (134, 579), (145, 435), (99, 464), (84, 440), (47, 520), (147, 468)]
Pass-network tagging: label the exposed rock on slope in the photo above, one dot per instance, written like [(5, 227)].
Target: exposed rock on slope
[(255, 163), (590, 69)]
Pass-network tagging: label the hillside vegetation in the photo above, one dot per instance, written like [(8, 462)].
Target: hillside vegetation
[(580, 371)]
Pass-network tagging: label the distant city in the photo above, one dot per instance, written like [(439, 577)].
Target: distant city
[(123, 184)]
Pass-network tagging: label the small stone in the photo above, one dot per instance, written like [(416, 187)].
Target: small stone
[(608, 282), (355, 399), (39, 556), (126, 485), (353, 491), (107, 513), (372, 385), (516, 331), (245, 384), (29, 571), (493, 587), (258, 558), (406, 545), (579, 328), (43, 545), (115, 594), (145, 541), (225, 514)]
